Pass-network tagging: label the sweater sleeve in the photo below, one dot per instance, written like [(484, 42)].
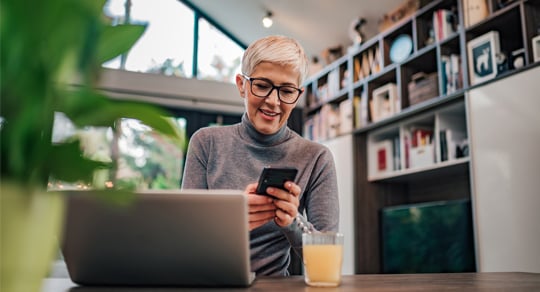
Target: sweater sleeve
[(321, 203), (195, 168)]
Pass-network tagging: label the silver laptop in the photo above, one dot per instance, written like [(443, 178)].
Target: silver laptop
[(162, 238)]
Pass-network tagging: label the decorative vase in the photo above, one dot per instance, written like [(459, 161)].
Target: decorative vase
[(30, 225)]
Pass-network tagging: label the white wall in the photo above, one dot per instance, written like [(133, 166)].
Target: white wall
[(342, 150), (504, 126)]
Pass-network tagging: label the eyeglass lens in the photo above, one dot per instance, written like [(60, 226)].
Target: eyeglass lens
[(262, 88)]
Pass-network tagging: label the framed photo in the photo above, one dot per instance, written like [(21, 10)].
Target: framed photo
[(385, 102), (482, 52), (536, 48)]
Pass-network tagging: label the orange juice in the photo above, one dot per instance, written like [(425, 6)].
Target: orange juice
[(322, 263)]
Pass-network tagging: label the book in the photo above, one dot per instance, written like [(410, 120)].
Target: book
[(455, 73), (474, 11), (451, 77), (445, 74), (376, 66), (346, 118), (421, 136), (358, 112), (308, 128), (365, 65), (396, 153), (333, 83), (371, 60), (444, 144), (358, 74), (329, 122), (407, 148), (443, 23), (383, 150)]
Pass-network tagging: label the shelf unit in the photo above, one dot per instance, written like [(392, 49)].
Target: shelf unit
[(431, 82)]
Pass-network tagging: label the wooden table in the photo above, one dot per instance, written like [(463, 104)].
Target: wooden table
[(381, 283)]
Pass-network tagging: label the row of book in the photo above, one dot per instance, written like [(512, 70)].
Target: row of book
[(326, 90), (444, 23), (360, 107), (367, 63), (331, 121), (419, 149), (451, 73), (334, 120), (452, 144)]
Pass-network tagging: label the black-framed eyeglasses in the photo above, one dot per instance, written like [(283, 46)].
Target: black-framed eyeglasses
[(262, 87)]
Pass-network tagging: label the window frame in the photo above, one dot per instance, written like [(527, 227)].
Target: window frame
[(198, 14)]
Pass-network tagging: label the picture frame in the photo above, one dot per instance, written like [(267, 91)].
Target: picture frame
[(536, 48), (384, 102), (482, 55)]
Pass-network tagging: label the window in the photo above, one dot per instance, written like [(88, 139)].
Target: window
[(219, 56), (167, 46), (145, 159)]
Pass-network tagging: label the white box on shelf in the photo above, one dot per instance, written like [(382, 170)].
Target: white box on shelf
[(385, 102), (422, 156)]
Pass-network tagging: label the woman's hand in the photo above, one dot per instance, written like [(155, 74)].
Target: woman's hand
[(261, 207), (286, 202)]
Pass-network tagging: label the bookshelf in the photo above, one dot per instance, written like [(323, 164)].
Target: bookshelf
[(402, 96)]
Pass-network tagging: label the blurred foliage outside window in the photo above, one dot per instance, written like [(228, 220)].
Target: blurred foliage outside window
[(145, 159), (166, 47), (219, 57)]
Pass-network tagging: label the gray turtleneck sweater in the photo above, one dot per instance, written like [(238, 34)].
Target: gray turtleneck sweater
[(231, 157)]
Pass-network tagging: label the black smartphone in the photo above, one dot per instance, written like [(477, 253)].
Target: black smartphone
[(275, 177)]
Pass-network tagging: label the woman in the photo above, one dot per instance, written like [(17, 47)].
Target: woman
[(232, 157)]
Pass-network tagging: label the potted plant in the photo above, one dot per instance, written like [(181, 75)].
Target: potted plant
[(45, 47)]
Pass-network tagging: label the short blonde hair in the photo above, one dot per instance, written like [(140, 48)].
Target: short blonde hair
[(279, 50)]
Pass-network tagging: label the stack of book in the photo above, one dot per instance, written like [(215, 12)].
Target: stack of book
[(443, 23)]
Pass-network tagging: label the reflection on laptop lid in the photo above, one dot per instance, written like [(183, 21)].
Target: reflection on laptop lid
[(164, 238)]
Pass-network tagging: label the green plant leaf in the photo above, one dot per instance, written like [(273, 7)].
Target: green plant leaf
[(86, 107), (117, 40), (67, 164), (44, 49)]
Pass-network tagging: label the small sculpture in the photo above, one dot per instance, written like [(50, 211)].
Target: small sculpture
[(355, 31)]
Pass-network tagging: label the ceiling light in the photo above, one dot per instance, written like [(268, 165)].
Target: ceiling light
[(267, 20)]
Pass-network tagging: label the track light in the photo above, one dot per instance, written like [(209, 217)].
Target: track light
[(267, 20)]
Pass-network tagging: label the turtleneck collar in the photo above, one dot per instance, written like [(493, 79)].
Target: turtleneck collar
[(248, 132)]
